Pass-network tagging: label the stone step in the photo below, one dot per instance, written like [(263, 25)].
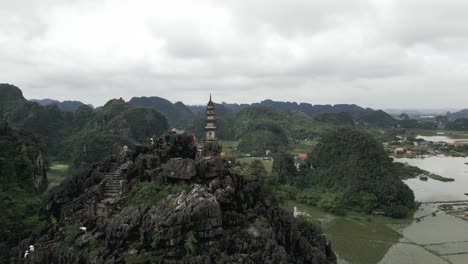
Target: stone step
[(113, 180), (111, 190), (112, 183)]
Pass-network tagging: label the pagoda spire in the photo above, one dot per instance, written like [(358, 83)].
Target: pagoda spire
[(211, 147)]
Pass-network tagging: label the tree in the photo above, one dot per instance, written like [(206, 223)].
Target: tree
[(284, 168)]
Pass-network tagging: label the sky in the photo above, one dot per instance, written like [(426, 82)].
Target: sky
[(379, 53)]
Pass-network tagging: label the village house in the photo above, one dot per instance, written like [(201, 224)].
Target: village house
[(302, 156), (400, 151)]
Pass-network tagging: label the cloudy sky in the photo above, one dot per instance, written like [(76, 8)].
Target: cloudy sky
[(381, 53)]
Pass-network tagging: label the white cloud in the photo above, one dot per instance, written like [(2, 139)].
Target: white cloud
[(377, 53)]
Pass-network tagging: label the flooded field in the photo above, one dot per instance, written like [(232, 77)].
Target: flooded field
[(437, 233), (432, 190), (445, 139)]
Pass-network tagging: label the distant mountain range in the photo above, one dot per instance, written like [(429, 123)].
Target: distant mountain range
[(356, 111), (460, 114), (174, 112), (66, 106)]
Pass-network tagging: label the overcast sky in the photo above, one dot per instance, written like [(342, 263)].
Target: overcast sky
[(402, 53)]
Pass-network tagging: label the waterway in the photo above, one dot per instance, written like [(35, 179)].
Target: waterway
[(431, 235)]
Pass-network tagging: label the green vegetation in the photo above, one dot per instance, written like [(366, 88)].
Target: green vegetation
[(255, 169), (237, 125), (96, 246), (156, 237), (175, 113), (57, 173), (136, 244), (353, 163), (85, 135), (20, 190), (283, 166), (348, 171), (397, 211), (149, 193), (137, 259), (406, 171), (323, 199), (378, 119), (71, 232), (460, 124), (267, 164), (295, 124), (262, 137), (115, 123), (261, 223), (339, 119), (191, 243)]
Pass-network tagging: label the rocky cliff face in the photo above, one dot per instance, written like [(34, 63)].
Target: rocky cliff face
[(22, 180), (159, 204)]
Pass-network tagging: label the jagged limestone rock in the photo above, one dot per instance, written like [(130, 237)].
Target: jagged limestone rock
[(178, 168), (214, 219)]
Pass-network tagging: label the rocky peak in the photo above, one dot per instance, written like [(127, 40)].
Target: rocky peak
[(169, 207)]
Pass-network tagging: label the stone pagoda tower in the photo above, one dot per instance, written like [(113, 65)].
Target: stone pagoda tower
[(211, 147), (210, 127)]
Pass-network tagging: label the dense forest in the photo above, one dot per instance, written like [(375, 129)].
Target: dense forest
[(348, 170), (85, 135), (22, 180)]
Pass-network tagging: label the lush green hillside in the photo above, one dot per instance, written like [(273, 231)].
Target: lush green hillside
[(458, 124), (22, 179), (378, 119), (309, 109), (224, 119), (340, 119), (66, 106), (353, 163), (262, 137), (175, 113), (115, 123), (348, 170), (85, 135), (294, 123)]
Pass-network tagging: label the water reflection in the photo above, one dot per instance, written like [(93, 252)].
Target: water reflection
[(437, 237), (432, 190)]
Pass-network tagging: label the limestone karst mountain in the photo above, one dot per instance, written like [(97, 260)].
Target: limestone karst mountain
[(22, 182), (162, 204)]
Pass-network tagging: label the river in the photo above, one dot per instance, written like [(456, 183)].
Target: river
[(437, 237)]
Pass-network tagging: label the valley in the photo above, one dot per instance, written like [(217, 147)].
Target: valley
[(335, 168)]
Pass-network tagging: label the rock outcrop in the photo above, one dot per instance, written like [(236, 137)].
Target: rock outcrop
[(204, 214)]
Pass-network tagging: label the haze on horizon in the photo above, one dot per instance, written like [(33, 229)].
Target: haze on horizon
[(379, 53)]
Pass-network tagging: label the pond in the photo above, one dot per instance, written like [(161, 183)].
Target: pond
[(436, 237)]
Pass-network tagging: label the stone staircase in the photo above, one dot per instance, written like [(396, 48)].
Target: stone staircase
[(112, 191), (112, 184)]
